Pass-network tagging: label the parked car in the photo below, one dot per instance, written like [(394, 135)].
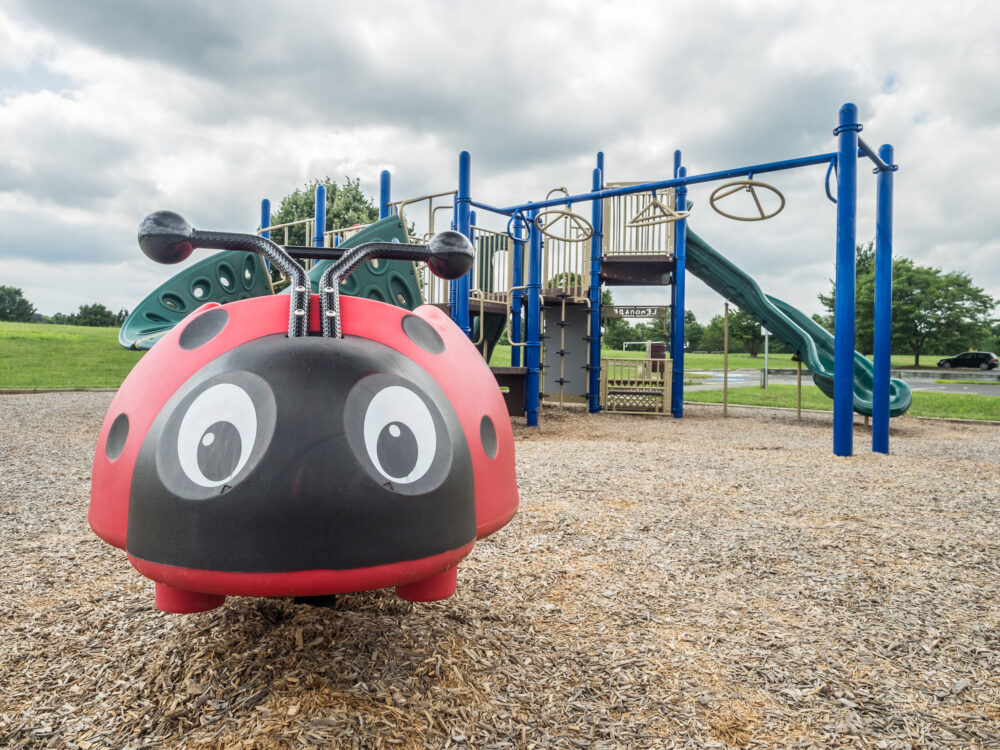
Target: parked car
[(982, 360)]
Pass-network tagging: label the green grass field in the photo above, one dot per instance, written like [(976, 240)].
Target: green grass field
[(501, 358), (950, 405), (34, 355)]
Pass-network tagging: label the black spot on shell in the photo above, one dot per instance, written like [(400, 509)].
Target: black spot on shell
[(488, 436), (204, 328), (422, 334), (117, 436)]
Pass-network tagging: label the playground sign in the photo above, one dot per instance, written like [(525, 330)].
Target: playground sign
[(635, 311)]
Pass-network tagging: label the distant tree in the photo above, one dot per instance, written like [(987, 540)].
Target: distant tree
[(744, 333), (14, 306), (744, 328), (616, 330), (931, 310), (712, 334), (564, 280), (777, 346), (693, 330), (346, 206), (991, 341), (96, 315), (121, 316), (826, 321)]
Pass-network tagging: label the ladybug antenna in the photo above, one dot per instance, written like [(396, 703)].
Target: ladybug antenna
[(449, 255), (167, 237)]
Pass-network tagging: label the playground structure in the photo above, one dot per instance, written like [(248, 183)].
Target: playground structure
[(540, 282)]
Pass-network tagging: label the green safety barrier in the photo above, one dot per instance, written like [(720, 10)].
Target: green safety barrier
[(392, 281), (223, 277)]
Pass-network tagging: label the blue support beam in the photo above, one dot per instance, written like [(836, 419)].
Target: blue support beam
[(883, 304), (843, 315), (533, 327), (677, 304), (265, 221), (384, 193), (459, 292), (596, 252), (265, 217), (320, 222), (880, 164)]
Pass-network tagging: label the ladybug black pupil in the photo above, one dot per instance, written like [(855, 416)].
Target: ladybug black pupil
[(397, 449), (219, 451)]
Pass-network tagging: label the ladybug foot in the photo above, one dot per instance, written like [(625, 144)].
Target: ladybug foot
[(179, 601), (430, 589)]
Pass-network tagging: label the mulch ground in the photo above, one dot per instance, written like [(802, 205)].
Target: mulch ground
[(703, 582)]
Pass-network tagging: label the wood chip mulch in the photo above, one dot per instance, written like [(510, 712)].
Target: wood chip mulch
[(704, 582)]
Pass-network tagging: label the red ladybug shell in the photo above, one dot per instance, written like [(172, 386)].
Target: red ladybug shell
[(458, 370)]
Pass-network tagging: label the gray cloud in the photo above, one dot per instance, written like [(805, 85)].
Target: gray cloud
[(111, 110)]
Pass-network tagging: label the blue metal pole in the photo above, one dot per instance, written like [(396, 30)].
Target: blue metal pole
[(516, 279), (265, 221), (843, 314), (677, 306), (596, 253), (533, 329), (265, 217), (474, 283), (677, 163), (320, 223), (384, 193), (883, 306), (463, 220), (865, 150)]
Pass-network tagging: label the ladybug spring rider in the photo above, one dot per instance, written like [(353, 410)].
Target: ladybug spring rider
[(289, 446)]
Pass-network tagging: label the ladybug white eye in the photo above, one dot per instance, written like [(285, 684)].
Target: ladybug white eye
[(400, 436), (216, 435)]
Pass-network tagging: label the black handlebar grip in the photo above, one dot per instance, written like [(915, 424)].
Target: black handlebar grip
[(451, 255), (165, 237)]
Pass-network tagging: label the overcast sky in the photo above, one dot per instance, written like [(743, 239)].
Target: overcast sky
[(109, 110)]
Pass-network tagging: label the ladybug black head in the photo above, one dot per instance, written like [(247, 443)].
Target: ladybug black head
[(307, 453)]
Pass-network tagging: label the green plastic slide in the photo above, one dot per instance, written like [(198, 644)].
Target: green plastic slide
[(233, 275), (810, 341)]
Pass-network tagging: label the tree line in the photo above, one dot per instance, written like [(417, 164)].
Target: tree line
[(744, 332), (933, 312), (14, 306)]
